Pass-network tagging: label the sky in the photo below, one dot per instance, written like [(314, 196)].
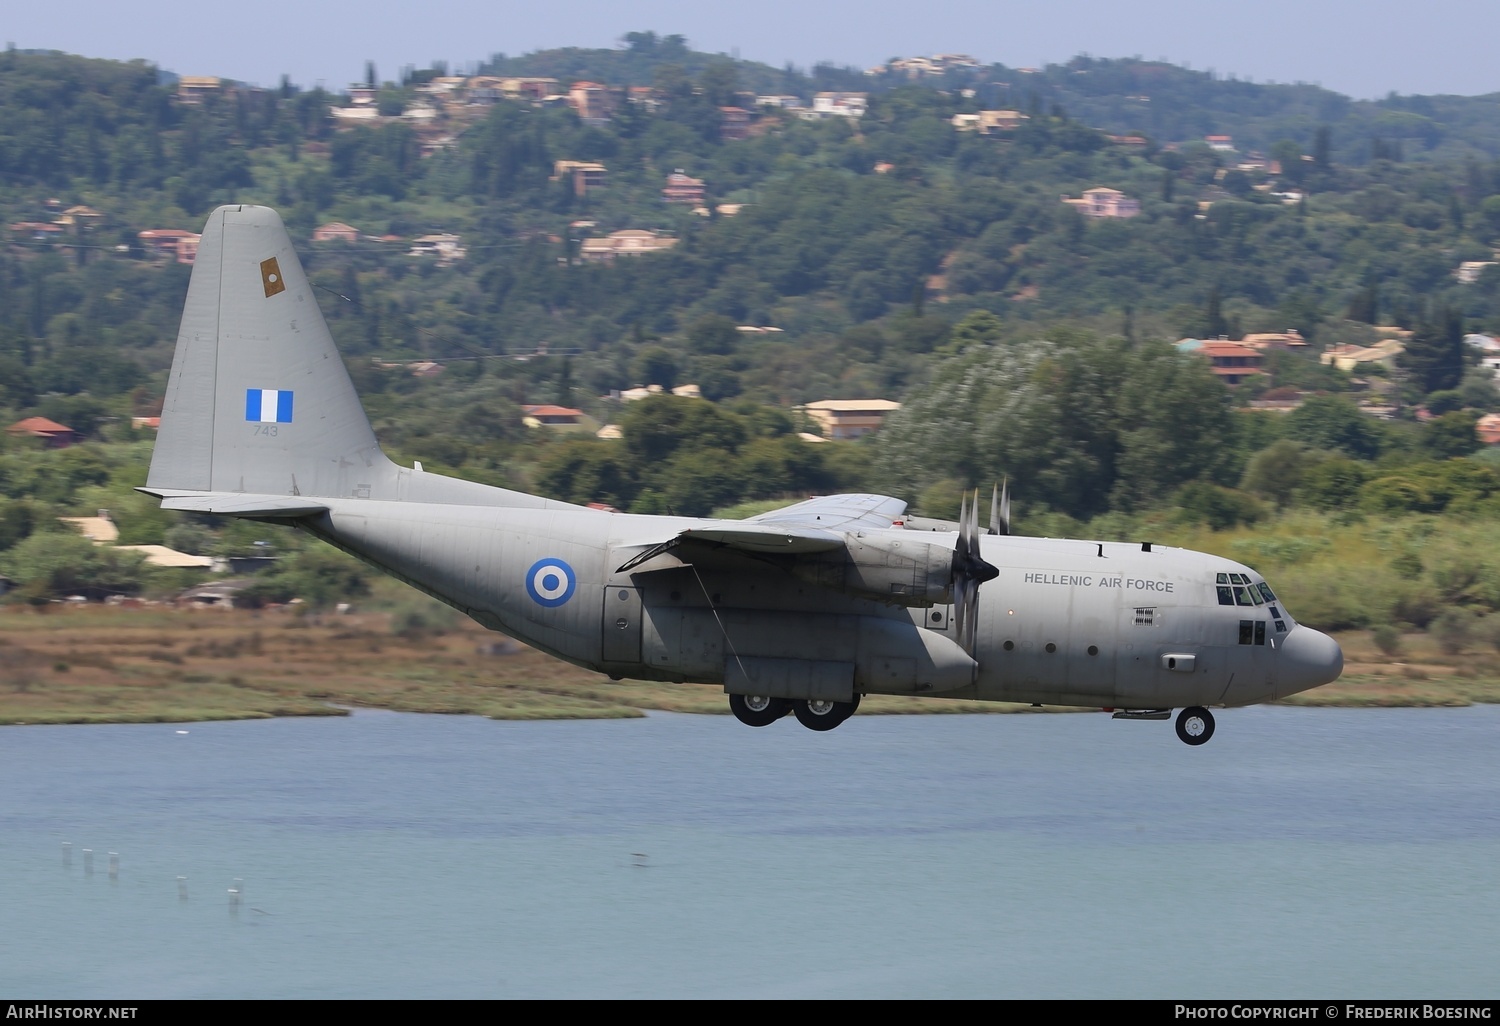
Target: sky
[(1363, 49)]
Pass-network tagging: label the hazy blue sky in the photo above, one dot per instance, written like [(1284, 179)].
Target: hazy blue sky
[(1364, 49)]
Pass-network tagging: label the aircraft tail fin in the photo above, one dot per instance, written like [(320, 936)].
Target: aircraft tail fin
[(258, 399)]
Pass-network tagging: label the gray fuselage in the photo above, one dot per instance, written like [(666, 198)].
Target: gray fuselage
[(1066, 622)]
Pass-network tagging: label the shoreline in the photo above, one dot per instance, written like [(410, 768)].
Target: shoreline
[(94, 664)]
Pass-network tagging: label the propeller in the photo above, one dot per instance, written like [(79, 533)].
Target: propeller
[(969, 568)]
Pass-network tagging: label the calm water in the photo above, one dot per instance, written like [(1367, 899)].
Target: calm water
[(1302, 853)]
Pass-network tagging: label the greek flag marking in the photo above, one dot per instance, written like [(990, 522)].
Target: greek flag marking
[(268, 405)]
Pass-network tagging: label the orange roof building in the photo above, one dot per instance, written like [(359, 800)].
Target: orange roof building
[(550, 416), (1231, 361), (683, 188), (57, 436)]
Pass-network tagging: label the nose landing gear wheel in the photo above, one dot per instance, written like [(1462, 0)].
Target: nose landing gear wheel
[(1195, 725), (820, 714), (758, 710)]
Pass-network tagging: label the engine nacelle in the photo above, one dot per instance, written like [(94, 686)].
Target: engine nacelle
[(884, 566)]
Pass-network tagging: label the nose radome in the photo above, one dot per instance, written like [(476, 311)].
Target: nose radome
[(1309, 658)]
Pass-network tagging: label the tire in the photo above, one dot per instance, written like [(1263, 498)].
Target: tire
[(1195, 725), (819, 714), (758, 710)]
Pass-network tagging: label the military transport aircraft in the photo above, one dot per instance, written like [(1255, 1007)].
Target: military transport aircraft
[(802, 610)]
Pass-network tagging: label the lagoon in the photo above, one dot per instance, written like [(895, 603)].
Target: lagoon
[(1302, 853)]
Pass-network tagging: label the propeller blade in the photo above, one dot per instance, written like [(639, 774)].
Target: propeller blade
[(960, 607), (1000, 509), (970, 569), (961, 550)]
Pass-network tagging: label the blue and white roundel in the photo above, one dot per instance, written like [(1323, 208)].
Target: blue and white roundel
[(550, 582)]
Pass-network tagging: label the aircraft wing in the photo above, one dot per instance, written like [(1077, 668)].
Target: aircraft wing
[(767, 538), (836, 513), (816, 525), (237, 504)]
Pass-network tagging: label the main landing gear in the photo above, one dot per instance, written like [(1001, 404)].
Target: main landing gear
[(758, 710), (815, 714), (1195, 725)]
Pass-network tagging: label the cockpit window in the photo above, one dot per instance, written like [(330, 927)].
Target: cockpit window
[(1239, 590)]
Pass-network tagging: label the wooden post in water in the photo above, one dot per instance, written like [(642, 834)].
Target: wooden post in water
[(67, 854)]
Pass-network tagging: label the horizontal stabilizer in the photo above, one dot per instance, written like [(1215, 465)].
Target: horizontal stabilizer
[(238, 504)]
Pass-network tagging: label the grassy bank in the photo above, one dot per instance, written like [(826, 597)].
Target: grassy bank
[(91, 664)]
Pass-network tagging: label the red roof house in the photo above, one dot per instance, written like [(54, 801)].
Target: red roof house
[(57, 436)]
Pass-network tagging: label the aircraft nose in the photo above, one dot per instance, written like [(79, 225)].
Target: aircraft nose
[(1309, 658)]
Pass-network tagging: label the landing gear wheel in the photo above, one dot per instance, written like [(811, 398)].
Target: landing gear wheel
[(1195, 725), (821, 714), (758, 710)]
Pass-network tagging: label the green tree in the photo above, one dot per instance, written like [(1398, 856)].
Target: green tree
[(713, 333), (1276, 472), (1434, 356), (655, 366), (1452, 435), (1333, 483), (49, 566), (1335, 423)]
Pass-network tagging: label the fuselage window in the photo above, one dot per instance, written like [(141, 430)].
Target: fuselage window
[(1247, 631), (1260, 632), (1222, 579), (1280, 626), (1226, 594), (1242, 596), (1265, 591)]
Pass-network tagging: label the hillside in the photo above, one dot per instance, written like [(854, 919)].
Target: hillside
[(903, 246)]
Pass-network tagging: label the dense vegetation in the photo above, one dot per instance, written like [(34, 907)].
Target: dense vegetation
[(900, 258)]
